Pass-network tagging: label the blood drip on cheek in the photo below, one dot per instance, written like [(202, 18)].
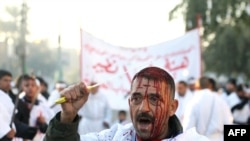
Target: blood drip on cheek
[(160, 111), (138, 86)]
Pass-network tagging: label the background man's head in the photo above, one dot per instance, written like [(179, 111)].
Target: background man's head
[(231, 85), (204, 82), (60, 85), (30, 88), (5, 80), (152, 102), (191, 84), (240, 91), (43, 84), (20, 82), (212, 84), (122, 115), (182, 88)]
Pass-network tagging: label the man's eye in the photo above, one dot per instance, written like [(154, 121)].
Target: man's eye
[(154, 99), (136, 99)]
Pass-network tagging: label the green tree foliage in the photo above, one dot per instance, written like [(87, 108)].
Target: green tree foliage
[(226, 26)]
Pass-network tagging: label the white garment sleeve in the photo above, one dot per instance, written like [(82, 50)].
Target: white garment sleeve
[(108, 113), (4, 125), (104, 135), (228, 118), (53, 96), (189, 119), (48, 113)]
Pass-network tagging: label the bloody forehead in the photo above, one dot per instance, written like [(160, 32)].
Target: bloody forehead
[(153, 73), (156, 74), (145, 82)]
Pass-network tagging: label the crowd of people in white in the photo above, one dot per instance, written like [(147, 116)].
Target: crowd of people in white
[(27, 107)]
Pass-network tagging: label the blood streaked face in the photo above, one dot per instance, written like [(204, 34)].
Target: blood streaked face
[(149, 104)]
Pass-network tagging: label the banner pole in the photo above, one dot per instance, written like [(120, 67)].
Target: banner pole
[(199, 25)]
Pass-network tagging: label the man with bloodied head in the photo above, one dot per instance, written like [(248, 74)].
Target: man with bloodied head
[(152, 109)]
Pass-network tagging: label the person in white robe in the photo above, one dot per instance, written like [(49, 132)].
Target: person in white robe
[(40, 97), (40, 113), (6, 110), (184, 96), (241, 111), (192, 84), (54, 95), (230, 95), (7, 98), (207, 112), (96, 113), (121, 118)]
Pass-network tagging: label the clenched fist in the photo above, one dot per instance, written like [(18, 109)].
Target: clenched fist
[(76, 96)]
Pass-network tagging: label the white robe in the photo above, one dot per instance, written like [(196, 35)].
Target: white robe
[(242, 115), (232, 99), (208, 113), (54, 95), (127, 133), (94, 112), (6, 110), (239, 115), (182, 104), (42, 109), (122, 123)]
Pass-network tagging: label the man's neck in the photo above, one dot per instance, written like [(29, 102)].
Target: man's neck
[(28, 99)]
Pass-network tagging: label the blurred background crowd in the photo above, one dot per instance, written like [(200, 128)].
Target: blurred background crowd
[(40, 50)]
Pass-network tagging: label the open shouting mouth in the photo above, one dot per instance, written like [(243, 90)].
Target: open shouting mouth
[(145, 122)]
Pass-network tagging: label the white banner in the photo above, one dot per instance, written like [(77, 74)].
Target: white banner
[(113, 67)]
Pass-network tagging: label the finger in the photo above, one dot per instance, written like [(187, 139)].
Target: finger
[(66, 90), (67, 95), (83, 89), (73, 93), (77, 90)]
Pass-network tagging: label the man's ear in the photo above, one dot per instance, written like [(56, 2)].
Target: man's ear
[(173, 107)]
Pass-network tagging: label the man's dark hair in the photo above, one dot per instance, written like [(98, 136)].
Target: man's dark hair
[(29, 77), (4, 73), (240, 88), (232, 81), (20, 78), (155, 73), (204, 82), (183, 83), (42, 81), (213, 83), (122, 112)]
